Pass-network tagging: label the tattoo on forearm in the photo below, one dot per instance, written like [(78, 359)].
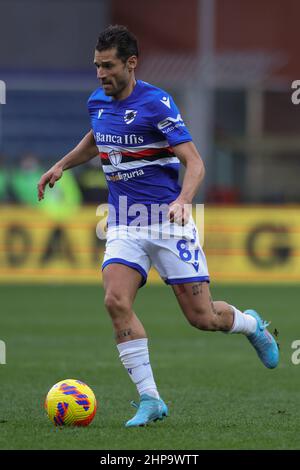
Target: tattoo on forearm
[(123, 333), (197, 288)]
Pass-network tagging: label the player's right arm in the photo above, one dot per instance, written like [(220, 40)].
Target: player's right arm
[(82, 153)]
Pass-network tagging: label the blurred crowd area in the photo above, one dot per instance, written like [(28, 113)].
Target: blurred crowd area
[(229, 66), (19, 179)]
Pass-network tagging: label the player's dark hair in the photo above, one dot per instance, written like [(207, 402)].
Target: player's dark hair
[(118, 36)]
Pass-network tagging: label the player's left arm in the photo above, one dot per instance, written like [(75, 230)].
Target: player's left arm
[(187, 153)]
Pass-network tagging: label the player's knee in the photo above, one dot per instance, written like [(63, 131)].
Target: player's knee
[(116, 304)]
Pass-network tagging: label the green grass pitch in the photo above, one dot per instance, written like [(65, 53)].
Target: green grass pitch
[(219, 394)]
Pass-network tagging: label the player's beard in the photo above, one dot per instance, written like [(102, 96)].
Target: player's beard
[(117, 88)]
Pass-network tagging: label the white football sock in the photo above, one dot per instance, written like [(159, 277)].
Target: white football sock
[(134, 356), (243, 323)]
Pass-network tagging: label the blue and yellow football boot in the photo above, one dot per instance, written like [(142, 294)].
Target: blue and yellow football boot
[(150, 409), (263, 342)]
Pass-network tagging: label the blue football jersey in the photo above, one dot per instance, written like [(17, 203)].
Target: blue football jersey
[(135, 137)]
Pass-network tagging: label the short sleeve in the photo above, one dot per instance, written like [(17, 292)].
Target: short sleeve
[(167, 120)]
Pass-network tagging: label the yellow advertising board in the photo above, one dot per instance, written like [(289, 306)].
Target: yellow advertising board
[(243, 245), (253, 244)]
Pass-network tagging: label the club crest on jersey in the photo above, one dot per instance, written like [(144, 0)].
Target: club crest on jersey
[(115, 157), (130, 115)]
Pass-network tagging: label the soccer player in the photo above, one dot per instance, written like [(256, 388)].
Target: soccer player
[(142, 140)]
